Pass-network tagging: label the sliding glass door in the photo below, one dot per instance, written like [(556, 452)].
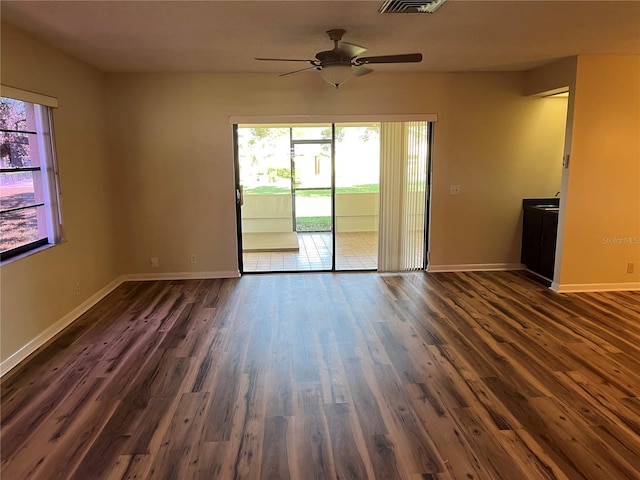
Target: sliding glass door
[(286, 185), (357, 195), (324, 197)]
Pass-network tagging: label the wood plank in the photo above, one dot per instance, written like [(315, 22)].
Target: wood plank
[(346, 454), (172, 456), (458, 458), (592, 454), (485, 443), (275, 459), (529, 456), (53, 429), (310, 439), (249, 425), (413, 444)]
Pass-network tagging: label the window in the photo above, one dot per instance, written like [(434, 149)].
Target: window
[(29, 207)]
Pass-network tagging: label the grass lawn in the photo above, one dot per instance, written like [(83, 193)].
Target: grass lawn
[(313, 224), (18, 227)]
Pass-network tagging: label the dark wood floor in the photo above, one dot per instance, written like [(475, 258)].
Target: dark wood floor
[(321, 376)]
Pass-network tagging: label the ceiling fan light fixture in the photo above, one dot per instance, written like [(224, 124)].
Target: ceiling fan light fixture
[(411, 6), (336, 75), (343, 61)]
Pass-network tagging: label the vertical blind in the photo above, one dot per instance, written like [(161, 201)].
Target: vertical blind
[(404, 148)]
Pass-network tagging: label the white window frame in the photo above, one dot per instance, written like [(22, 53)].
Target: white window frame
[(50, 221)]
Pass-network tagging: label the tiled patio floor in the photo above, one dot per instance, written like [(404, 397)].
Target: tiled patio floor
[(354, 251)]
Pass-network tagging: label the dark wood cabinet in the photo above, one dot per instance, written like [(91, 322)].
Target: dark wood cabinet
[(539, 233), (548, 244)]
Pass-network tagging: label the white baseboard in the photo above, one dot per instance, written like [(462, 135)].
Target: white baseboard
[(17, 357), (595, 287), (476, 267), (180, 275)]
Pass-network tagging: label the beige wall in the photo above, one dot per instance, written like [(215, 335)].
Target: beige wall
[(552, 77), (602, 217), (171, 142), (40, 289)]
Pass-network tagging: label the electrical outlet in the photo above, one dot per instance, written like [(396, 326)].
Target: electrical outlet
[(630, 267), (77, 288), (194, 259), (454, 190), (154, 262)]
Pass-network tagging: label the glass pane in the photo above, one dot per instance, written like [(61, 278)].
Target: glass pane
[(13, 115), (314, 132), (313, 210), (269, 240), (312, 165), (357, 173), (358, 158), (19, 228), (16, 190), (265, 160), (16, 149), (312, 170)]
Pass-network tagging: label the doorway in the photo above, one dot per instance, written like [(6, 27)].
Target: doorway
[(309, 196), (311, 167)]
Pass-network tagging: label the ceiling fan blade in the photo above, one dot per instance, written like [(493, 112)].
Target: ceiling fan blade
[(404, 58), (359, 70), (351, 49), (298, 71), (284, 60)]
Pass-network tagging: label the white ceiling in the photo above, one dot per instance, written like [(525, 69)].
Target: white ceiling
[(225, 36)]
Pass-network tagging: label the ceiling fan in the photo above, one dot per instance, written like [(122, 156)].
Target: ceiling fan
[(339, 64)]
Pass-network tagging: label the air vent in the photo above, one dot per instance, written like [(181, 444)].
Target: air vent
[(411, 6)]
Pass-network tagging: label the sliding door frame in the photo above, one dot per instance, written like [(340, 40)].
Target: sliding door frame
[(293, 144), (333, 197), (427, 199), (238, 195), (293, 120)]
